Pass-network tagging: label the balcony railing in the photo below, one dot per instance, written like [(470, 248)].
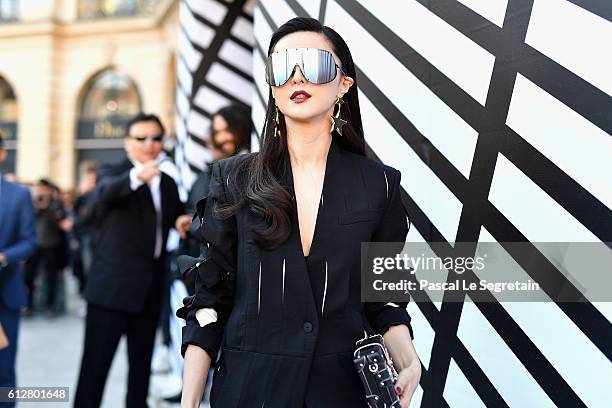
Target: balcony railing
[(93, 9)]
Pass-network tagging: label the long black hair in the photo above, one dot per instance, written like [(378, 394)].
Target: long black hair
[(259, 177), (238, 118)]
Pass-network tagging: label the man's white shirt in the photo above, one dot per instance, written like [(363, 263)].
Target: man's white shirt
[(154, 187)]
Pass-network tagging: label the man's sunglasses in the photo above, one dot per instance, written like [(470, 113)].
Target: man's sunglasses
[(142, 139), (318, 66)]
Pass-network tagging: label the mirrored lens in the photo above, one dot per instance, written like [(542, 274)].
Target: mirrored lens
[(319, 66), (277, 69)]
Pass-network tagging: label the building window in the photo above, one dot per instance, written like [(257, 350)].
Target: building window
[(8, 103), (109, 101), (89, 9), (8, 125), (9, 10), (110, 93)]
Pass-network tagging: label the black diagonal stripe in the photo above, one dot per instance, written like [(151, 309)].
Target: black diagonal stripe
[(184, 61), (520, 344), (202, 111), (428, 153), (184, 31), (193, 167), (226, 94), (474, 374), (240, 42), (574, 91), (260, 50), (573, 197), (201, 18), (322, 11), (236, 69), (599, 7), (426, 379), (418, 219), (267, 17), (197, 139), (481, 174), (439, 84), (210, 56), (262, 99), (243, 12), (530, 356), (297, 8), (584, 315), (496, 108)]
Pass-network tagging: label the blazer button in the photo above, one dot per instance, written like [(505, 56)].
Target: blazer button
[(307, 327)]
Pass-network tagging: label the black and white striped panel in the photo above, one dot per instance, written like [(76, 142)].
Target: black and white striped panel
[(214, 69), (498, 114)]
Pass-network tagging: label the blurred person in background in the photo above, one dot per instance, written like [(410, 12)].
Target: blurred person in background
[(17, 242), (229, 135), (83, 204), (51, 226), (135, 205), (11, 177)]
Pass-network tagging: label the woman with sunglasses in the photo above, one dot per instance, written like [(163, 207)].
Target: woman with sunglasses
[(278, 279)]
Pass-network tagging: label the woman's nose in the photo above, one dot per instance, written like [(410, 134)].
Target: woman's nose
[(297, 76)]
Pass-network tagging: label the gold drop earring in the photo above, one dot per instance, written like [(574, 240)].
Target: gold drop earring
[(337, 121), (277, 132)]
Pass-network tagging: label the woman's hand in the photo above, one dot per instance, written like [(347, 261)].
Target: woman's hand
[(405, 360), (407, 381)]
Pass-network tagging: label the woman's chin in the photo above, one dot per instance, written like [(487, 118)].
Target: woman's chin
[(300, 115)]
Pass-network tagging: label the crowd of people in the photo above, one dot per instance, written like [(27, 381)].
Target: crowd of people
[(114, 234), (62, 231)]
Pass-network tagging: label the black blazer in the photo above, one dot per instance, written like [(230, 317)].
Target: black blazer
[(290, 325), (123, 238)]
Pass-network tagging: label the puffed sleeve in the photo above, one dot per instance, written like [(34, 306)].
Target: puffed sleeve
[(393, 227), (207, 310)]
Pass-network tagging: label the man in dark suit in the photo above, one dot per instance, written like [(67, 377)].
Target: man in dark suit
[(17, 242), (135, 207)]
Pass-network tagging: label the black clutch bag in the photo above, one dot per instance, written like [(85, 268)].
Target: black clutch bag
[(376, 371)]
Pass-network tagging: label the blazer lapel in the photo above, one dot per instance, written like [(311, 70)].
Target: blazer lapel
[(147, 208), (165, 191)]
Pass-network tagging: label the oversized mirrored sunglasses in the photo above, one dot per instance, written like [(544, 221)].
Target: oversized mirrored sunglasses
[(318, 66), (142, 139)]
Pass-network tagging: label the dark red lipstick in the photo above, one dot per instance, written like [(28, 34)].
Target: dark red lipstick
[(300, 96)]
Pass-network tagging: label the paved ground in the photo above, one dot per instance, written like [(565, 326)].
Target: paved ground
[(49, 354)]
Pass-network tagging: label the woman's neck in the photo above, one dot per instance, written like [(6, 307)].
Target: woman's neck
[(308, 143)]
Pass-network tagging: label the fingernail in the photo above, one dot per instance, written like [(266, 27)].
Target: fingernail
[(398, 389)]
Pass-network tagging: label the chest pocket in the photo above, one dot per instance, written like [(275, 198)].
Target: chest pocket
[(369, 214)]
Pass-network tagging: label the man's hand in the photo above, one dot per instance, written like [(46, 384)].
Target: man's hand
[(2, 259), (66, 224), (148, 170), (182, 225)]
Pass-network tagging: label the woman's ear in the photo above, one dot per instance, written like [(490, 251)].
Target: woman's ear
[(345, 84)]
